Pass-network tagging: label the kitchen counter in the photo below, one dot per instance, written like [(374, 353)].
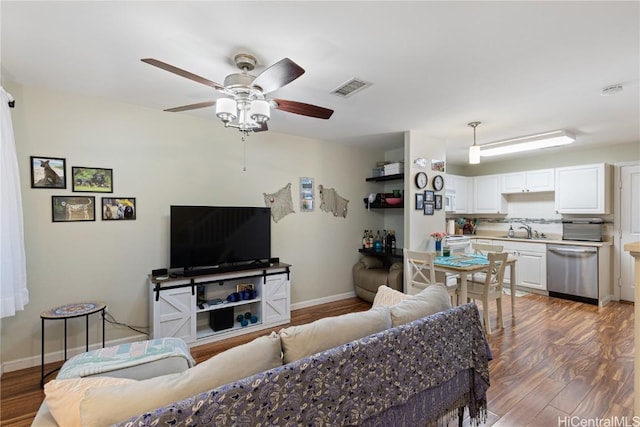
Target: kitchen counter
[(550, 240)]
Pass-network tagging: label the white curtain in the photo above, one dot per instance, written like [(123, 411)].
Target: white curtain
[(13, 272)]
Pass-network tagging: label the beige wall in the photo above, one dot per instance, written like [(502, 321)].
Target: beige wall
[(418, 226), (162, 159)]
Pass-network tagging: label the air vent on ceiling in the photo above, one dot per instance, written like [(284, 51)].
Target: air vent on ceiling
[(350, 87)]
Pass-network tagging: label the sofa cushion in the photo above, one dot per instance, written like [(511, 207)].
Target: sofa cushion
[(109, 405), (63, 396), (387, 296), (431, 300), (323, 334)]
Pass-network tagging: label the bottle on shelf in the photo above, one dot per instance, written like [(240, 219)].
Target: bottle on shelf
[(377, 243), (365, 240), (370, 239), (393, 240)]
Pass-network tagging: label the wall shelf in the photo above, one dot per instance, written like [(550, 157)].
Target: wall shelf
[(397, 176)]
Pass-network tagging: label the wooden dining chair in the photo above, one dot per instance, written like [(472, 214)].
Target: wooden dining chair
[(482, 249), (485, 248), (420, 272), (490, 288)]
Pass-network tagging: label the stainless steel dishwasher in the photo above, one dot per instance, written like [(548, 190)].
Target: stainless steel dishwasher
[(572, 272)]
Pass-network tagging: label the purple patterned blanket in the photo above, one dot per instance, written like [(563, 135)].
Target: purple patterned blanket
[(420, 373)]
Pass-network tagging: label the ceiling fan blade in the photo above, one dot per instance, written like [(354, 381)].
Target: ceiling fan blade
[(191, 106), (279, 74), (182, 73), (303, 109)]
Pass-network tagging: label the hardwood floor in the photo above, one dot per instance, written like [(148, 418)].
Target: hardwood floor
[(557, 359)]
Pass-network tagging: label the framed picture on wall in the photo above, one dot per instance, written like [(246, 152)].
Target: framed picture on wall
[(428, 208), (307, 194), (419, 201), (118, 208), (428, 195), (438, 201), (48, 172), (92, 180), (67, 208)]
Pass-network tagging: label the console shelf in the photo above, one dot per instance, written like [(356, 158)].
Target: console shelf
[(174, 302)]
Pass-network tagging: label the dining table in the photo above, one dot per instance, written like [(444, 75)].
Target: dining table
[(465, 264)]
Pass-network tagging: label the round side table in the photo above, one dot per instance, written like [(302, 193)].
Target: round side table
[(65, 312)]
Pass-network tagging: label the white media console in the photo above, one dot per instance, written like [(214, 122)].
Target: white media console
[(176, 309)]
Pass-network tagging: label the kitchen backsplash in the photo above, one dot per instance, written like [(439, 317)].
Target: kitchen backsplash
[(536, 210)]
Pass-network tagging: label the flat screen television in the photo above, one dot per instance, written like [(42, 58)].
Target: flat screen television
[(219, 237)]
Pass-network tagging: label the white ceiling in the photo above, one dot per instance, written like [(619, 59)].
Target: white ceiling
[(518, 67)]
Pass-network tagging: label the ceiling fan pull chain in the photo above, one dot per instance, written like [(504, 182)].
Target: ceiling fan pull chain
[(244, 154)]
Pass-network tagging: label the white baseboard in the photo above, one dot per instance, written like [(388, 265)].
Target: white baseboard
[(30, 362), (322, 300), (57, 356)]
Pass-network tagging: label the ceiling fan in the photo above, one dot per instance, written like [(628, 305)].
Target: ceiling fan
[(245, 105)]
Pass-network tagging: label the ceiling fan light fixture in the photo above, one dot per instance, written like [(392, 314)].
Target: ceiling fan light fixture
[(226, 109), (260, 111)]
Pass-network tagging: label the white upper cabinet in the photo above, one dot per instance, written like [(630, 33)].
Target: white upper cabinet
[(529, 181), (487, 195), (583, 189), (460, 188)]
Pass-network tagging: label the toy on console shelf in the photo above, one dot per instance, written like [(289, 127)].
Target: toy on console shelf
[(246, 318), (245, 294)]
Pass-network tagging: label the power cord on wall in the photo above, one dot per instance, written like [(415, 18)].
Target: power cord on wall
[(108, 317)]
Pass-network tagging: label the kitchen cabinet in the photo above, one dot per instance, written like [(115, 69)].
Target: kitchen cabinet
[(460, 188), (584, 189), (529, 181), (487, 197), (531, 265)]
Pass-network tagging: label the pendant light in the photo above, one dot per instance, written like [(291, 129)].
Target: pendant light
[(474, 150)]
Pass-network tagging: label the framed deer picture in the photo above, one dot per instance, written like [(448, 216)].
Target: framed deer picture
[(48, 172), (71, 208)]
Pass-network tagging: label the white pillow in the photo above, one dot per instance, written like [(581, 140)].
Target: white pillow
[(433, 299), (63, 396), (388, 296), (323, 334), (109, 405)]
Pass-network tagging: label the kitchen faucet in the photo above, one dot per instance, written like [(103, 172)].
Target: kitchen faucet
[(528, 228)]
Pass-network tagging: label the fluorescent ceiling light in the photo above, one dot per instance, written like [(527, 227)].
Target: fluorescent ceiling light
[(526, 143)]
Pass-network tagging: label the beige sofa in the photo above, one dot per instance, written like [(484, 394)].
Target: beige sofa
[(344, 364)]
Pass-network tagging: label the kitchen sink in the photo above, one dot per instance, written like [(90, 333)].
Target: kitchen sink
[(523, 238)]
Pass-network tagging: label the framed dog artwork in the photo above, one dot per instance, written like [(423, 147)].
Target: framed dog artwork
[(48, 172), (92, 180), (70, 208), (118, 208)]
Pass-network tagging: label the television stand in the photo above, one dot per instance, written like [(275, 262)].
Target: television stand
[(175, 312)]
